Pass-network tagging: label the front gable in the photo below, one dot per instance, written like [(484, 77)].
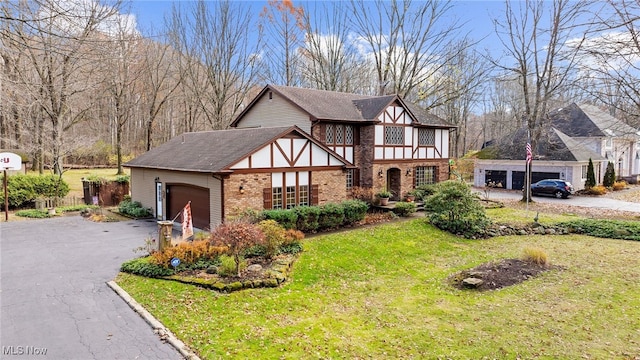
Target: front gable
[(290, 151), (271, 109)]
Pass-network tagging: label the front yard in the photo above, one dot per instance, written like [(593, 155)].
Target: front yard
[(384, 292)]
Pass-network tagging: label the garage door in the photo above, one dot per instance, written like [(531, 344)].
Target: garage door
[(178, 195), (517, 178)]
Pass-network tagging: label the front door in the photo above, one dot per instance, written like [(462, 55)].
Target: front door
[(393, 183)]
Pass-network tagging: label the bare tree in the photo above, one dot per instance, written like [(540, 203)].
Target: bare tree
[(283, 25), (611, 58), (464, 78), (219, 58), (54, 36), (407, 44), (329, 59), (541, 62), (160, 78)]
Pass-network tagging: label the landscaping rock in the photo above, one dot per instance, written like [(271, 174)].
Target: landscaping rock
[(254, 268), (472, 283)]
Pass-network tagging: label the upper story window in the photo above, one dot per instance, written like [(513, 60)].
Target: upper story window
[(426, 137), (608, 143), (394, 135), (336, 134)]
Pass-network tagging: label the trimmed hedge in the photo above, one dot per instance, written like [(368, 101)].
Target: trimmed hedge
[(314, 218), (24, 189), (609, 229), (287, 218)]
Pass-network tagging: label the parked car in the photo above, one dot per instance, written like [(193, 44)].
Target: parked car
[(556, 187)]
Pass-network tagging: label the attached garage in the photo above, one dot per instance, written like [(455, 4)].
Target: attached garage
[(178, 195), (518, 178), (223, 173)]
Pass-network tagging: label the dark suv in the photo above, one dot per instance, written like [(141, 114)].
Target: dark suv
[(556, 187)]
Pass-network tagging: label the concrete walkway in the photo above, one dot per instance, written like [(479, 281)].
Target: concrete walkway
[(54, 300)]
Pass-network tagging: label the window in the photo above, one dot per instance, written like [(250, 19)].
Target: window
[(304, 195), (608, 143), (291, 197), (394, 135), (584, 171), (276, 197), (339, 134), (350, 178), (425, 175), (288, 189), (348, 135), (329, 133), (426, 137)]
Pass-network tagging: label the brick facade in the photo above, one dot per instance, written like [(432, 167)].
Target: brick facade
[(251, 198), (331, 189)]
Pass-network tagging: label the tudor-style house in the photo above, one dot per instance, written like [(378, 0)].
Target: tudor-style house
[(393, 144), (293, 147)]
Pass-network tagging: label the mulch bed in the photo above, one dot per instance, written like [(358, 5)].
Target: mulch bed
[(503, 273)]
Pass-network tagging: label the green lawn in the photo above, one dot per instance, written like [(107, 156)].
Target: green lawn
[(382, 292)]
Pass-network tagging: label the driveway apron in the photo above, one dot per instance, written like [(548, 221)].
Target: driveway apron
[(54, 301)]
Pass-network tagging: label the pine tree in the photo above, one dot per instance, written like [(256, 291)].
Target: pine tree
[(609, 176), (591, 176)]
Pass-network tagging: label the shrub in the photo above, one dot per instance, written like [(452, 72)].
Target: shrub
[(274, 235), (292, 237), (610, 229), (292, 242), (145, 267), (535, 256), (596, 190), (619, 185), (24, 189), (228, 266), (591, 176), (247, 215), (331, 216), (134, 208), (237, 237), (122, 179), (609, 176), (362, 194), (404, 208), (354, 211), (286, 218), (33, 213), (307, 218), (457, 210), (189, 253)]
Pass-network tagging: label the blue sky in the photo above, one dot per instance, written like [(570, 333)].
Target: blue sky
[(476, 15)]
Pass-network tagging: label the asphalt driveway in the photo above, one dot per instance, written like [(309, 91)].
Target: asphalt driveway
[(54, 302), (595, 202)]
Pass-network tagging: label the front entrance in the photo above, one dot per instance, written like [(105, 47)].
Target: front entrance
[(393, 183)]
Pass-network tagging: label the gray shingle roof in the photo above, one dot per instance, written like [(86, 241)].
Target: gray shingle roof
[(207, 151), (553, 145), (589, 121), (339, 106)]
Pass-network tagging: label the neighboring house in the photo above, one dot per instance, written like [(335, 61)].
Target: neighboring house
[(577, 133), (291, 147), (393, 144), (225, 172)]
